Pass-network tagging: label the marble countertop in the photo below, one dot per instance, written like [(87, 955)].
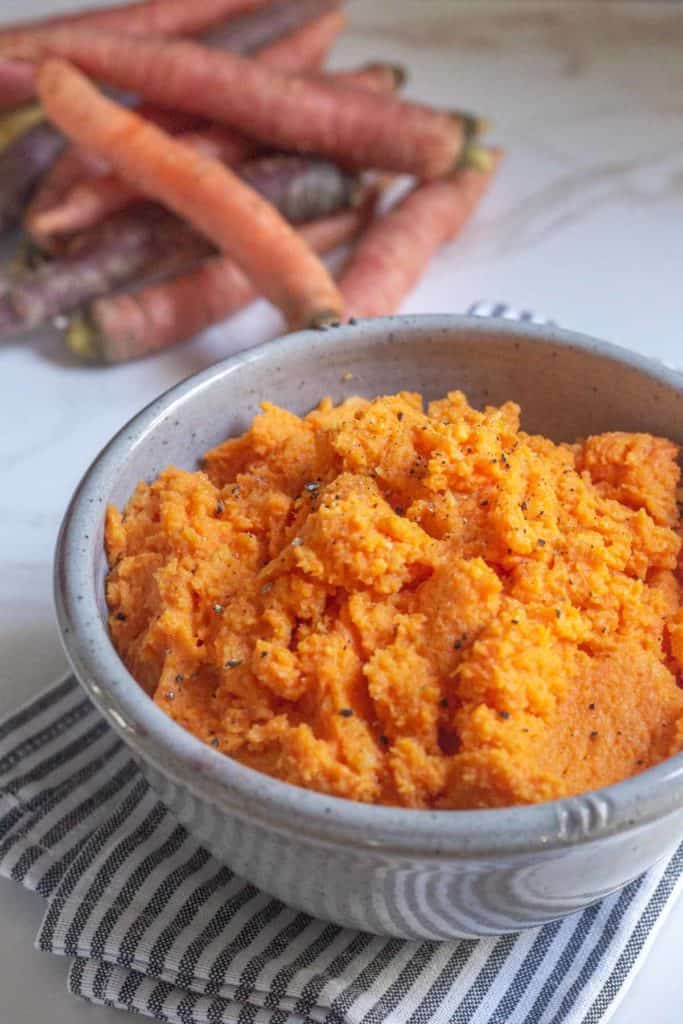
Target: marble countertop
[(584, 225)]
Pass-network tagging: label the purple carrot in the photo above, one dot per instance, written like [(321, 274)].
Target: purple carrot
[(252, 30), (146, 241), (21, 165), (301, 188)]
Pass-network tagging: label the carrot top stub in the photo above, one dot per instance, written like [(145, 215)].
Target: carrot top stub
[(206, 193)]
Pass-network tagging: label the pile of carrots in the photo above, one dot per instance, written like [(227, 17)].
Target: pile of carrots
[(228, 164)]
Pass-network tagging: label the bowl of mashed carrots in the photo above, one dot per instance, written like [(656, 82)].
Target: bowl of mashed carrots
[(398, 605)]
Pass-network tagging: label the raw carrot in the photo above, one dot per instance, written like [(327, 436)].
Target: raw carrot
[(146, 18), (288, 112), (263, 27), (203, 191), (147, 241), (172, 121), (72, 165), (119, 328), (392, 255), (150, 240), (22, 163), (95, 197), (16, 83), (301, 188), (69, 199), (251, 32), (307, 47)]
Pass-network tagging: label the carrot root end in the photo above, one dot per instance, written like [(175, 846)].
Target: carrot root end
[(476, 157), (82, 339), (472, 124)]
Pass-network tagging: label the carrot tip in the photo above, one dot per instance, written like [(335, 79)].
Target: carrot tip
[(82, 339)]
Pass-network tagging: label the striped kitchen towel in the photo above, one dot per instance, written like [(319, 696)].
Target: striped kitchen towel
[(154, 925)]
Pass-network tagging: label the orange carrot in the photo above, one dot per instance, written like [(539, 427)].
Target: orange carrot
[(203, 191), (70, 166), (119, 328), (68, 201), (284, 111), (173, 121), (75, 166), (392, 255), (91, 200), (16, 83), (307, 47), (280, 28), (150, 17)]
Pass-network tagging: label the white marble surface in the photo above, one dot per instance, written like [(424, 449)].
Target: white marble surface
[(584, 224)]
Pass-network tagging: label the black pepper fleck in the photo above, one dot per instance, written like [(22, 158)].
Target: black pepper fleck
[(594, 734), (504, 714), (346, 712)]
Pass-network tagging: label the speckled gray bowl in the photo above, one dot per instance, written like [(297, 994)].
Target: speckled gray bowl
[(400, 872)]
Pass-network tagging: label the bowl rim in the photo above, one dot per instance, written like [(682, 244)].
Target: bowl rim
[(277, 805)]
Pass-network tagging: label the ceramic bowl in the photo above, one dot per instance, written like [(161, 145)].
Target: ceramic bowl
[(418, 874)]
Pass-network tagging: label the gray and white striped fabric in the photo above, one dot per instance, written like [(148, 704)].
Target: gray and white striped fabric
[(154, 925)]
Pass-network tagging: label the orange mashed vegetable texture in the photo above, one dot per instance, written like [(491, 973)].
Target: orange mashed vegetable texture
[(427, 609)]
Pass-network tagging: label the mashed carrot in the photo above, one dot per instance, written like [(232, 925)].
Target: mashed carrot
[(426, 609)]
